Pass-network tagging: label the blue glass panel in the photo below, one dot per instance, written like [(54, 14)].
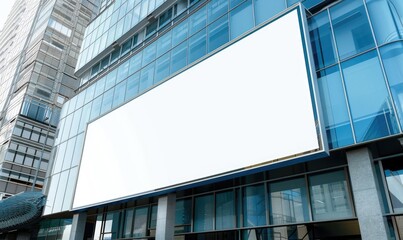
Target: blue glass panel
[(197, 46), (204, 213), (147, 77), (135, 63), (265, 9), (335, 112), (89, 95), (96, 107), (179, 57), (225, 210), (234, 3), (100, 87), (351, 28), (149, 53), (291, 2), (241, 19), (330, 197), (164, 44), (119, 95), (162, 67), (218, 33), (321, 40), (387, 19), (84, 117), (132, 88), (288, 201), (180, 33), (107, 101), (110, 79), (392, 56), (254, 206), (368, 97), (123, 71), (198, 21), (216, 8)]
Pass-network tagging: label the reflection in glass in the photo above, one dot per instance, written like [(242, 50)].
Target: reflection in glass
[(322, 40), (387, 19), (140, 222), (197, 21), (132, 87), (197, 46), (225, 210), (241, 19), (265, 9), (162, 68), (119, 95), (288, 201), (351, 28), (392, 57), (217, 8), (369, 100), (254, 207), (218, 33), (183, 215), (179, 57), (147, 77), (394, 179), (112, 224), (335, 112), (204, 213), (127, 226), (330, 198), (107, 101)]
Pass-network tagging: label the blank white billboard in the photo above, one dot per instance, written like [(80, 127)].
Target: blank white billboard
[(243, 107)]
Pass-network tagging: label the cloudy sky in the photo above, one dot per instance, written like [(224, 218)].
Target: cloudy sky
[(4, 10)]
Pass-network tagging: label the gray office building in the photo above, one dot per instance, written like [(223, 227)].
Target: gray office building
[(39, 47)]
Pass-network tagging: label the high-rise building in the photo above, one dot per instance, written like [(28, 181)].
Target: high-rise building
[(233, 119), (39, 47)]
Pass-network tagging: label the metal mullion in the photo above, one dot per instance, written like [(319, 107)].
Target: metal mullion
[(308, 194), (341, 76), (385, 186)]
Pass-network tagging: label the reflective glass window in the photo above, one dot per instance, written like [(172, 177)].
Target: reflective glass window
[(96, 107), (204, 213), (197, 21), (241, 19), (119, 95), (77, 150), (115, 55), (135, 63), (392, 57), (128, 222), (84, 117), (107, 101), (147, 77), (165, 18), (110, 79), (218, 33), (123, 71), (126, 46), (183, 215), (132, 87), (351, 28), (369, 100), (75, 123), (334, 105), (61, 150), (394, 178), (164, 43), (162, 67), (225, 210), (89, 95), (99, 87), (112, 224), (179, 57), (330, 198), (140, 222), (69, 153), (180, 33), (197, 46), (288, 201), (322, 40), (216, 8), (70, 189), (265, 9), (387, 19), (254, 206), (61, 189), (149, 53)]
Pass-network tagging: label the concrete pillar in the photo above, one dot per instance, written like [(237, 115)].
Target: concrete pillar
[(166, 217), (78, 226), (367, 197)]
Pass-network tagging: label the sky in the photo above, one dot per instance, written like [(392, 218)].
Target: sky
[(5, 9)]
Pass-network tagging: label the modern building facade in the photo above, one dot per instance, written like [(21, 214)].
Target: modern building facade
[(40, 44), (189, 123)]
